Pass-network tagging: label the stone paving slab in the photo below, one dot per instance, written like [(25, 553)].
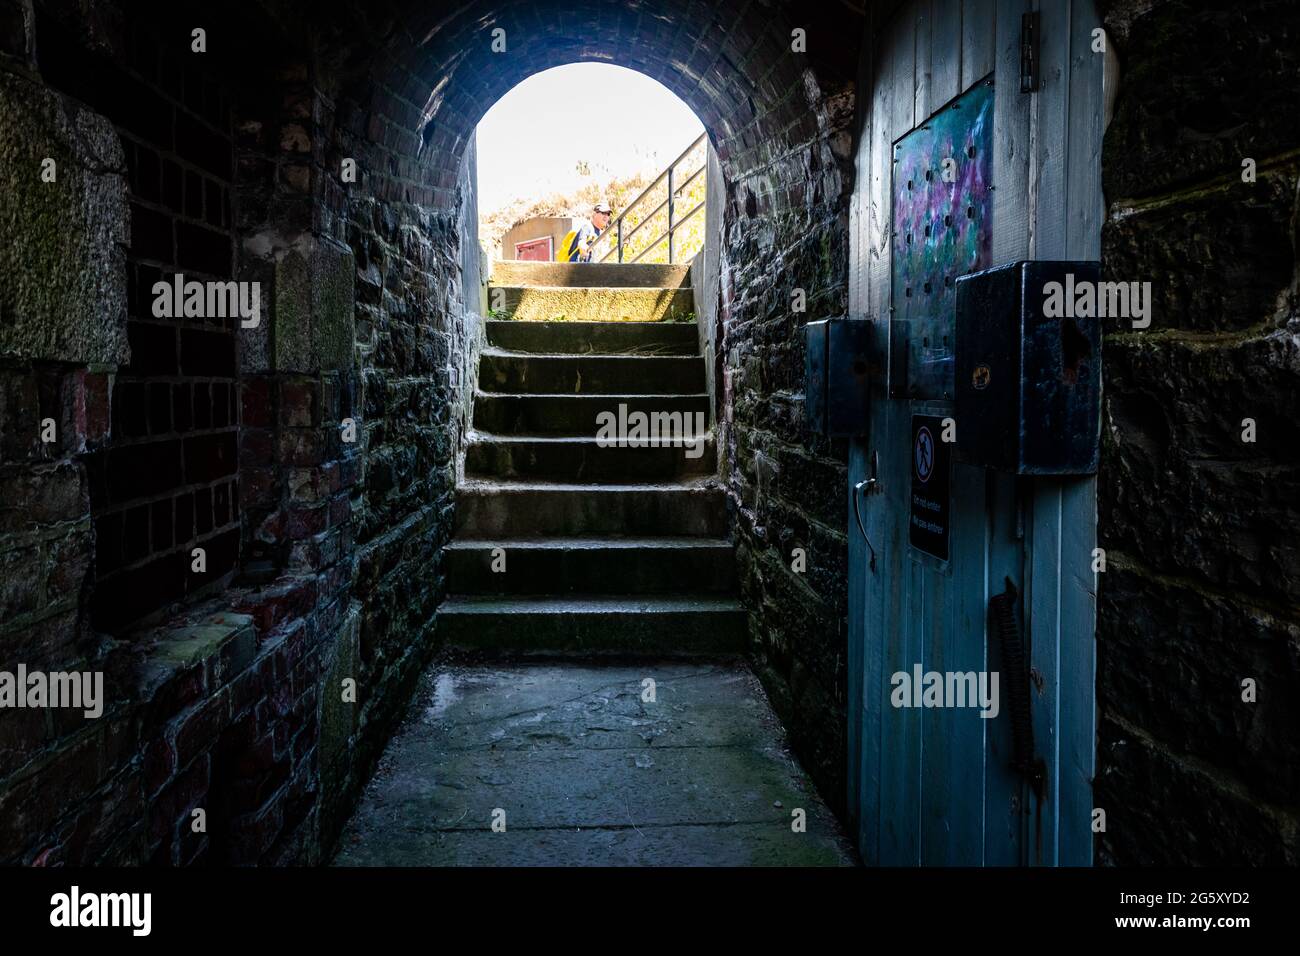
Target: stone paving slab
[(590, 774)]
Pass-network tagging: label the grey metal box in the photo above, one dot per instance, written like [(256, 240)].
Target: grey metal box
[(837, 376), (1028, 384)]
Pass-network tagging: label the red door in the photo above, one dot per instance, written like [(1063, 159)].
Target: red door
[(534, 250)]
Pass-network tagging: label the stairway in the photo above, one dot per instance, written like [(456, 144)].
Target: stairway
[(606, 550)]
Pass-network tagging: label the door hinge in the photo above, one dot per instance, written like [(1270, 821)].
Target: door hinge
[(1029, 52)]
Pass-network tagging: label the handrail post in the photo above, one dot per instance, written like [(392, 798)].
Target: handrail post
[(670, 215), (670, 175)]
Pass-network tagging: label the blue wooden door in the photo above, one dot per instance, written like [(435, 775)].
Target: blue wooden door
[(933, 785)]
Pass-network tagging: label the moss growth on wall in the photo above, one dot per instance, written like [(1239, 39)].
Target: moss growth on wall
[(64, 294)]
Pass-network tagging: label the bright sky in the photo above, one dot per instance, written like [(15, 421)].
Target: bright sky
[(617, 120)]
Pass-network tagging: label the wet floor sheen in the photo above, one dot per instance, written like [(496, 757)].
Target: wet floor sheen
[(580, 765)]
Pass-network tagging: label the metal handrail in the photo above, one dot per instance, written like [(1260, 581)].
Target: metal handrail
[(668, 234), (615, 228)]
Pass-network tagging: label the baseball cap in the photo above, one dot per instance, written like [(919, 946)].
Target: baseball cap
[(602, 207)]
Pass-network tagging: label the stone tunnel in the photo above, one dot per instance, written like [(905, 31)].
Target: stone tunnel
[(230, 517)]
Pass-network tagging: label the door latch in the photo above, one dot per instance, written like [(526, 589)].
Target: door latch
[(866, 484)]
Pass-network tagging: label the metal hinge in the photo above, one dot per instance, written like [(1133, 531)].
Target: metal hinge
[(1029, 52)]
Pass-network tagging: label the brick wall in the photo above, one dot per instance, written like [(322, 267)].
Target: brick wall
[(229, 701), (165, 482), (1200, 528)]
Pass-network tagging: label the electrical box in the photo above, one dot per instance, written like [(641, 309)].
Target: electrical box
[(1028, 368), (837, 376)]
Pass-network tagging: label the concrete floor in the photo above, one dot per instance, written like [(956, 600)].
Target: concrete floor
[(587, 773)]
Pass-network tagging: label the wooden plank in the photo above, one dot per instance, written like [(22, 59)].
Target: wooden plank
[(1011, 210), (884, 639), (854, 661), (1078, 662), (1044, 629), (860, 582), (978, 26), (900, 730), (1087, 206), (951, 822), (921, 50), (875, 515), (943, 771), (1004, 797), (878, 208), (965, 651), (945, 52), (1079, 496), (1051, 134)]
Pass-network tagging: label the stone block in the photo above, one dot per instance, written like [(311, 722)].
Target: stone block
[(1171, 658), (1161, 810), (1217, 259), (62, 250), (1203, 87), (314, 326)]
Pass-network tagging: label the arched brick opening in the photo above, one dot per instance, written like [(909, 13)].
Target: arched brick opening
[(406, 107)]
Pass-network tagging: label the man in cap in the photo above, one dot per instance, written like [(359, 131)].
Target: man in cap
[(576, 246)]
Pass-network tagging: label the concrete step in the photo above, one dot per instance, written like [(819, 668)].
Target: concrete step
[(592, 374), (515, 414), (610, 624), (604, 565), (582, 460), (607, 338), (587, 274), (599, 304), (511, 509)]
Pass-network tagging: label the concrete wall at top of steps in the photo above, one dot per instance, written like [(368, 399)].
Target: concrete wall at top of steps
[(613, 275)]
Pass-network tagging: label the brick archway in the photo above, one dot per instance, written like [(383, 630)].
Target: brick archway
[(781, 122)]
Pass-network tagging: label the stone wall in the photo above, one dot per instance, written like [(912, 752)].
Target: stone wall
[(344, 409), (227, 696), (780, 121), (1199, 526), (787, 229)]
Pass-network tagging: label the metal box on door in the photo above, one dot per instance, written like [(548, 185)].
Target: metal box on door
[(837, 376), (1028, 369)]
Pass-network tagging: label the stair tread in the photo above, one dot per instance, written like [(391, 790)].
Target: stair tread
[(580, 323), (476, 435), (498, 352), (515, 273), (486, 485), (591, 396), (561, 542), (592, 604), (622, 289)]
